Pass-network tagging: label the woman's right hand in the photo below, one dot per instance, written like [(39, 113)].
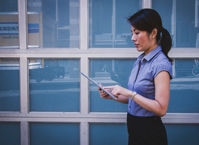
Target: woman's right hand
[(103, 94)]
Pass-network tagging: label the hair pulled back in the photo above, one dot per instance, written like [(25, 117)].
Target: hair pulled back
[(147, 20)]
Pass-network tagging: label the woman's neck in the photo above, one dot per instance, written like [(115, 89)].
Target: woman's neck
[(150, 49)]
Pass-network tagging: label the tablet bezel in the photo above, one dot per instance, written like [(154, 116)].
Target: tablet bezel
[(99, 86)]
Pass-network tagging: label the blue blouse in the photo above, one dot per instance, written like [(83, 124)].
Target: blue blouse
[(143, 82)]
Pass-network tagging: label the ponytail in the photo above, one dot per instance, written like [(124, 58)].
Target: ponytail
[(165, 42)]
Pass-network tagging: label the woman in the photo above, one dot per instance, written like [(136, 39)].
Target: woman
[(148, 90)]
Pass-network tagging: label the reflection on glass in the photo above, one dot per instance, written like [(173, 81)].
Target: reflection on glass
[(184, 86), (53, 23), (108, 23), (181, 19), (108, 72), (9, 24), (9, 85), (182, 134), (10, 133), (54, 85), (54, 134), (108, 134)]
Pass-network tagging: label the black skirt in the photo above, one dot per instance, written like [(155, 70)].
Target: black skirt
[(146, 130)]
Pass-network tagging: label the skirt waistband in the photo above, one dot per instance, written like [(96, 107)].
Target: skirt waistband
[(140, 118)]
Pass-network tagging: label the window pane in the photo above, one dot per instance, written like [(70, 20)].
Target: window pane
[(53, 23), (9, 24), (108, 134), (108, 23), (9, 133), (108, 72), (9, 85), (184, 95), (54, 134), (54, 85), (182, 134), (181, 19)]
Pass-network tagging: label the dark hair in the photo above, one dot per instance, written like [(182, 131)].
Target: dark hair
[(147, 20)]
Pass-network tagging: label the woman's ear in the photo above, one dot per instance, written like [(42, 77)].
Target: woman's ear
[(154, 32)]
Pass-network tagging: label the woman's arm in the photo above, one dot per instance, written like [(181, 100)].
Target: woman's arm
[(122, 99), (158, 106)]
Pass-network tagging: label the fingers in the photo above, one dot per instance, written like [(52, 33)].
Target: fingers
[(109, 87), (102, 93), (116, 90), (106, 87), (99, 88)]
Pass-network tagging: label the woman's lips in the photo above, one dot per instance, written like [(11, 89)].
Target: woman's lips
[(136, 45)]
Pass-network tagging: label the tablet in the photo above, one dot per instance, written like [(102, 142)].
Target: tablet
[(99, 86)]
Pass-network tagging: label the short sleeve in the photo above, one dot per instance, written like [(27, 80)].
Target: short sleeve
[(162, 66)]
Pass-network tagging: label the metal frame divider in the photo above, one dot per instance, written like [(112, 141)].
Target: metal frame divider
[(23, 41)]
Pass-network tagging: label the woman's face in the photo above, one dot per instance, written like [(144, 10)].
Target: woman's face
[(142, 40)]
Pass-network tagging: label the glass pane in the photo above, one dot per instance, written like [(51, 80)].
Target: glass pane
[(182, 134), (108, 23), (54, 134), (184, 95), (108, 72), (9, 133), (181, 19), (53, 24), (54, 85), (9, 24), (9, 85), (108, 134)]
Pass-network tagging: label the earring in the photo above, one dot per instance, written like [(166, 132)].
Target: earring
[(153, 36)]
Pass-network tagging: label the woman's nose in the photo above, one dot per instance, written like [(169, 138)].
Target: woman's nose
[(133, 38)]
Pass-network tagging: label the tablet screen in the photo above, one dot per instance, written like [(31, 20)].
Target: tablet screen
[(99, 86)]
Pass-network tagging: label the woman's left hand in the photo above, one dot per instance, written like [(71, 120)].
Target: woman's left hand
[(118, 90)]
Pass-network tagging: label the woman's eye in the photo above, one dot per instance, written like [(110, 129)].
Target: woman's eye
[(136, 33)]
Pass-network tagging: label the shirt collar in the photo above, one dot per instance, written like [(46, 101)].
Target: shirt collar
[(150, 55)]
